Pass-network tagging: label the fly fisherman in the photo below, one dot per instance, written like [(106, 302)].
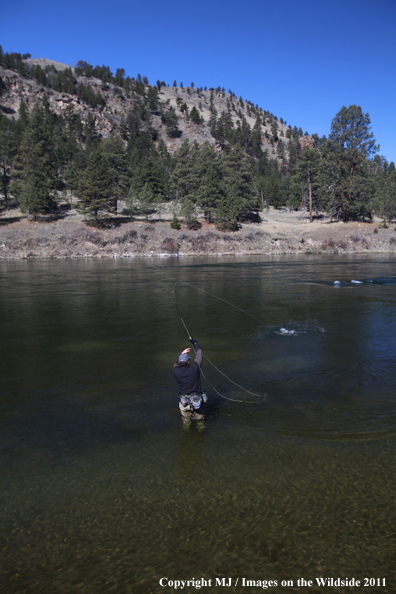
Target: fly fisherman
[(192, 399)]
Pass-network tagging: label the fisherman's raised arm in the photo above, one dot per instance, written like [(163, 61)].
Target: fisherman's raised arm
[(186, 351), (198, 352)]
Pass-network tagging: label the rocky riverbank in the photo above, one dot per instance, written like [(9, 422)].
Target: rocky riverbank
[(70, 236)]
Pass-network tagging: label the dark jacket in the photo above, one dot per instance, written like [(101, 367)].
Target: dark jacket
[(188, 376)]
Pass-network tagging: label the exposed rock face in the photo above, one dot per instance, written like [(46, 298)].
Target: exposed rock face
[(20, 89), (306, 141), (108, 119)]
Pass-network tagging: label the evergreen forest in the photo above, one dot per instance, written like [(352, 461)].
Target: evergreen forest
[(46, 157)]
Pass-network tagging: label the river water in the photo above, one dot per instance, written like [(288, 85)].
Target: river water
[(104, 489)]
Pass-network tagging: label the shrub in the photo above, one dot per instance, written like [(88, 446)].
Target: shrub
[(199, 243), (170, 246), (253, 217), (129, 235), (354, 238), (375, 230), (194, 225), (175, 223), (330, 243), (189, 212)]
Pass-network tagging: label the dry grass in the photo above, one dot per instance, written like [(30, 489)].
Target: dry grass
[(279, 232)]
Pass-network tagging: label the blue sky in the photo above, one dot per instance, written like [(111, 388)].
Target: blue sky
[(302, 60)]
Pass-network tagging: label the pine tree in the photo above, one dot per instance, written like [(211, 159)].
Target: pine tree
[(389, 196), (237, 177), (92, 139), (280, 149), (152, 99), (21, 123), (346, 156), (308, 175), (35, 193), (184, 109), (150, 171), (382, 172), (35, 173), (274, 131), (175, 223), (163, 151), (96, 187), (294, 150), (213, 121), (195, 118), (242, 134), (72, 178), (147, 200), (206, 179), (189, 212), (288, 196), (7, 147), (273, 193), (113, 149), (180, 181), (295, 193), (256, 139), (227, 213), (172, 124)]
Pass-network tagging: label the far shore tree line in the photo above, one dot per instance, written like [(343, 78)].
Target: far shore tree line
[(45, 158)]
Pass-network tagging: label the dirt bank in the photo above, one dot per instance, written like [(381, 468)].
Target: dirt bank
[(69, 236)]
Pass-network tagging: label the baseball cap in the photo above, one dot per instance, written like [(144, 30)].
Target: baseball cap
[(183, 358)]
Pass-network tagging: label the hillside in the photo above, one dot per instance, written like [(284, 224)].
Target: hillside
[(118, 104), (83, 145)]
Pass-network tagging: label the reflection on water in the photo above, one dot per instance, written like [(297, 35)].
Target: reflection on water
[(104, 489)]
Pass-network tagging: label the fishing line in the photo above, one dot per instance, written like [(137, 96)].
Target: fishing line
[(222, 395), (211, 294), (209, 361)]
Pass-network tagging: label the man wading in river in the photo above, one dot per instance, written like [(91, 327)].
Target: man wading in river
[(192, 399)]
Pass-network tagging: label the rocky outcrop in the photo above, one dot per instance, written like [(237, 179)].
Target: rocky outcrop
[(18, 89), (306, 141)]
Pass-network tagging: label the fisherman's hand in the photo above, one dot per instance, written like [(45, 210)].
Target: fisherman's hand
[(192, 340), (186, 351)]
